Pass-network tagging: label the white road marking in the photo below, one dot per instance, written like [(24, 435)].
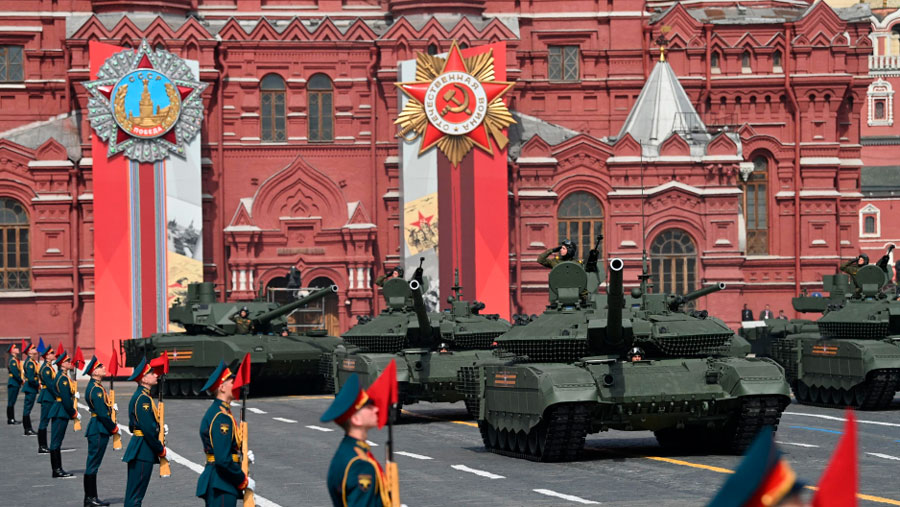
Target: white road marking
[(570, 498), (412, 455), (798, 444), (371, 443), (235, 404), (318, 428), (833, 418), (181, 460), (885, 456), (282, 419), (482, 473), (256, 410)]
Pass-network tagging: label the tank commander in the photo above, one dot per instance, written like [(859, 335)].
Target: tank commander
[(635, 354), (391, 273), (243, 321), (852, 266), (566, 251)]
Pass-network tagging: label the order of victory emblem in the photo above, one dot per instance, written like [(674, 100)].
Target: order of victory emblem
[(145, 103), (455, 104)]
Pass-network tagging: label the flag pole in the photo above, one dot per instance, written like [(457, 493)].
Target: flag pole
[(249, 501), (393, 473)]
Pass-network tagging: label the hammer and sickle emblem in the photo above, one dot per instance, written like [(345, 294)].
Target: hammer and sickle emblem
[(451, 96)]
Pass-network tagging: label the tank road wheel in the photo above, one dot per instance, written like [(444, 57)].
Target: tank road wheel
[(522, 442), (484, 428), (534, 441), (859, 395), (502, 437), (847, 397), (172, 388), (801, 392), (493, 436), (185, 386), (815, 394), (196, 385)]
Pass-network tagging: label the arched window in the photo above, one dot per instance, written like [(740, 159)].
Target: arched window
[(432, 49), (14, 260), (321, 108), (580, 219), (745, 62), (714, 62), (776, 61), (870, 225), (271, 92), (673, 264), (320, 314), (756, 209)]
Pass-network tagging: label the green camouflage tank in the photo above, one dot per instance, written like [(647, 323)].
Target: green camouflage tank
[(568, 373), (289, 364), (429, 348), (850, 356)]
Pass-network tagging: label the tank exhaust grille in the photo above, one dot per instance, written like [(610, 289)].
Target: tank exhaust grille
[(475, 341), (538, 351), (378, 344), (854, 330), (696, 345)]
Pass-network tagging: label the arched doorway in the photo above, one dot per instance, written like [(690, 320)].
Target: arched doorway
[(328, 306), (580, 219), (673, 262)]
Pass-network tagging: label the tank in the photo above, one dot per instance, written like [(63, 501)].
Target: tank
[(279, 364), (569, 373), (429, 348), (850, 355)]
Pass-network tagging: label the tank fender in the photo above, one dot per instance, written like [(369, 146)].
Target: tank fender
[(516, 397), (749, 376), (855, 359)]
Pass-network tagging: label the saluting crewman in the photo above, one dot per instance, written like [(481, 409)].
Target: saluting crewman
[(222, 480), (355, 478), (61, 413), (99, 429), (244, 324), (14, 383), (31, 388), (144, 448), (47, 397), (566, 251)]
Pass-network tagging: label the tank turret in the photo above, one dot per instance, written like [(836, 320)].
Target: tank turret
[(271, 317)]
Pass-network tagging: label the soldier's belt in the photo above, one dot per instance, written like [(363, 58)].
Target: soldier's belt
[(58, 399), (137, 433), (211, 458), (93, 414)]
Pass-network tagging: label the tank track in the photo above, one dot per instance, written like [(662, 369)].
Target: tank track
[(559, 437), (755, 413), (875, 393)]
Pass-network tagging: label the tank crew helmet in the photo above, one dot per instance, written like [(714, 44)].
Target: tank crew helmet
[(636, 354), (864, 257), (347, 402), (571, 249), (399, 271), (219, 376), (244, 309)]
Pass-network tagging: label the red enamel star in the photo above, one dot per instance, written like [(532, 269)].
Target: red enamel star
[(422, 218)]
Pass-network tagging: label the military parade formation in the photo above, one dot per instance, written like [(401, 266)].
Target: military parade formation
[(621, 346)]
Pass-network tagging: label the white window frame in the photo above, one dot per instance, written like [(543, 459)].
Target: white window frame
[(869, 210), (880, 90)]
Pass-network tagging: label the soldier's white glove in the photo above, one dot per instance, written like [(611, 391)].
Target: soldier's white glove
[(78, 415), (251, 484), (116, 407), (77, 395), (250, 456), (165, 429)]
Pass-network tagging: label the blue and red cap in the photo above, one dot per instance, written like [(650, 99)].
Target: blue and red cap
[(60, 358), (218, 376), (92, 365), (347, 402), (140, 370)]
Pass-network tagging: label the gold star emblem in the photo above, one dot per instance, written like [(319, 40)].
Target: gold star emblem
[(455, 104)]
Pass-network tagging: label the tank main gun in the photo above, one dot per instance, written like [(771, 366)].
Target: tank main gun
[(676, 301), (421, 313), (266, 319)]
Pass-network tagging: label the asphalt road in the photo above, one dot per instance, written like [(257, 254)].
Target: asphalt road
[(442, 461)]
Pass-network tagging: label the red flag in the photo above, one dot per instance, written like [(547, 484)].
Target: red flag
[(79, 358), (161, 363), (113, 367), (22, 348), (242, 377), (383, 392), (838, 484), (60, 350)]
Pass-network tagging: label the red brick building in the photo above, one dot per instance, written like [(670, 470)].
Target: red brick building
[(300, 162)]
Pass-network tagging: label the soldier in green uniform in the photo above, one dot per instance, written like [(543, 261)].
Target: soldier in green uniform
[(144, 448), (48, 395), (61, 413), (31, 388), (14, 384), (99, 429), (355, 478), (852, 266), (243, 321), (392, 273), (566, 252), (222, 480)]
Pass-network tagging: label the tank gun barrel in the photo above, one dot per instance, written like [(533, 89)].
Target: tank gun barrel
[(421, 312), (271, 315), (690, 296), (615, 292)]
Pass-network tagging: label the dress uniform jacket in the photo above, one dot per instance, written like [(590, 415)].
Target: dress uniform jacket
[(144, 425), (63, 409), (32, 385), (355, 478), (15, 380), (100, 427), (222, 475), (47, 397)]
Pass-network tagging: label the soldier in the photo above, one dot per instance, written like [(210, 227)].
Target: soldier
[(144, 448), (566, 250), (243, 321), (636, 354), (852, 266), (391, 273), (47, 397), (222, 480), (14, 383), (31, 388), (62, 412), (355, 478), (99, 429)]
